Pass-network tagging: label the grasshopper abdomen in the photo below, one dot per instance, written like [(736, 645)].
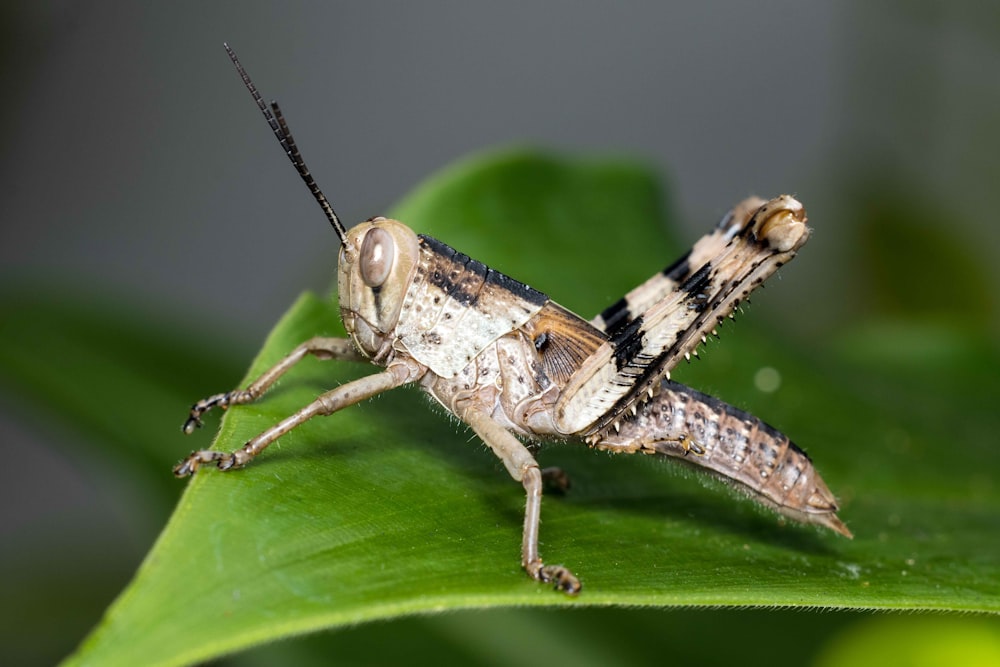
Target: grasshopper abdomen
[(736, 446)]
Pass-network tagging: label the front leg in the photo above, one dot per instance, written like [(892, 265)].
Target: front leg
[(322, 348), (522, 466), (326, 404)]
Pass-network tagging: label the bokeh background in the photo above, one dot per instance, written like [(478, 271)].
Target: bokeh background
[(136, 173)]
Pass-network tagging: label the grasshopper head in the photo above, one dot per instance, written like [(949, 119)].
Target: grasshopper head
[(377, 261)]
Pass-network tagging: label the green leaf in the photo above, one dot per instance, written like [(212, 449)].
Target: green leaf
[(391, 508), (928, 641), (102, 383)]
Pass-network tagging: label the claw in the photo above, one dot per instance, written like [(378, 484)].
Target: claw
[(186, 467), (191, 424), (190, 465), (221, 401), (556, 479), (563, 580)]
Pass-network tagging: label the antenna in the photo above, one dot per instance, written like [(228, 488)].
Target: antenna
[(284, 135)]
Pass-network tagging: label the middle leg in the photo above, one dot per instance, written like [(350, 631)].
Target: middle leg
[(522, 467)]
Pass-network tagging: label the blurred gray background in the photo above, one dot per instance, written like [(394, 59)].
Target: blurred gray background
[(134, 166), (134, 160)]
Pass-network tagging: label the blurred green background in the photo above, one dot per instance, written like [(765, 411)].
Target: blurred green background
[(134, 207)]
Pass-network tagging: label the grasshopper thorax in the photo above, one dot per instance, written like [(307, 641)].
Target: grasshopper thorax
[(377, 263)]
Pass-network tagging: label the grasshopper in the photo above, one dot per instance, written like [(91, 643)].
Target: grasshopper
[(515, 365)]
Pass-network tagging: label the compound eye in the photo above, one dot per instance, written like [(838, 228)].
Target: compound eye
[(377, 254)]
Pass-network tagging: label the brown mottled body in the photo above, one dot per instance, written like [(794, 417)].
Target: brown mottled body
[(519, 379), (512, 364), (738, 447)]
